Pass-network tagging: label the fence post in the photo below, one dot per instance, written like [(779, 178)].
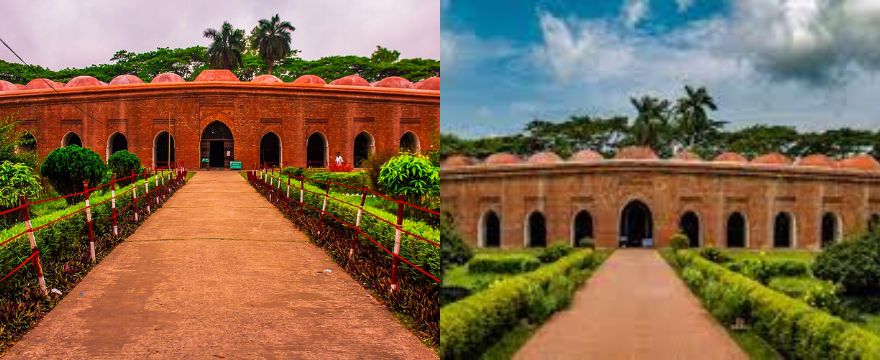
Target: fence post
[(33, 242), (147, 190), (113, 205), (288, 188), (134, 196), (89, 221), (397, 232), (302, 187), (357, 222)]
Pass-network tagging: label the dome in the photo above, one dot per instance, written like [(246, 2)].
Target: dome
[(431, 83), (687, 155), (502, 158), (167, 78), (731, 157), (586, 155), (817, 160), (41, 83), (309, 79), (394, 82), (351, 80), (7, 86), (126, 79), (21, 87), (266, 79), (455, 161), (772, 159), (861, 162), (545, 157), (636, 153), (83, 81), (216, 75)]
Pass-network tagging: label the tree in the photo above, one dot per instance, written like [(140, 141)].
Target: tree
[(227, 44), (693, 123), (384, 55), (271, 39), (16, 180), (124, 163), (651, 120), (410, 175), (67, 167)]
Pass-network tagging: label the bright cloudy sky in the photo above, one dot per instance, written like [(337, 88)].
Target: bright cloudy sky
[(63, 33), (808, 63)]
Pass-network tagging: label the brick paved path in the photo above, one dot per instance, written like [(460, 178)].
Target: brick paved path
[(218, 273), (634, 307)]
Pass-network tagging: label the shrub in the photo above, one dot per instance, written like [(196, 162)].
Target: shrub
[(410, 175), (763, 269), (554, 252), (292, 171), (714, 255), (679, 241), (373, 165), (854, 264), (67, 167), (453, 250), (16, 180), (355, 179), (817, 293), (124, 163), (451, 294), (503, 263)]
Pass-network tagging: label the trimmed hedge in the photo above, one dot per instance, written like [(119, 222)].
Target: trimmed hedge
[(471, 325), (763, 269), (792, 327), (503, 263), (554, 252)]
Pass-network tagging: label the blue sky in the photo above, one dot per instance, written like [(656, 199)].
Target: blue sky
[(807, 63)]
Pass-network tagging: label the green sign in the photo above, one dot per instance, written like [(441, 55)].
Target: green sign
[(235, 165), (204, 160)]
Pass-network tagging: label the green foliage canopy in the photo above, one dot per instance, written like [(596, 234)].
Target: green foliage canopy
[(67, 167), (16, 180), (410, 175)]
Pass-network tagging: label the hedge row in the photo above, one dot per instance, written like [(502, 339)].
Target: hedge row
[(471, 325), (792, 327), (503, 263), (764, 269)]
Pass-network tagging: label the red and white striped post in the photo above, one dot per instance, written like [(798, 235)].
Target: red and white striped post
[(147, 189), (134, 196), (89, 221), (397, 232), (302, 189), (357, 222), (32, 239), (113, 205), (288, 188)]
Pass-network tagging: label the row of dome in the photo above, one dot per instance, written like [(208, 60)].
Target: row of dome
[(860, 162), (432, 83)]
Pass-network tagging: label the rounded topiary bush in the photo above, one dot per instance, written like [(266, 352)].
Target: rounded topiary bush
[(410, 175), (854, 264), (679, 241), (124, 163), (67, 167)]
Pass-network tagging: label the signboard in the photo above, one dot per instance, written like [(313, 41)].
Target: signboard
[(235, 165)]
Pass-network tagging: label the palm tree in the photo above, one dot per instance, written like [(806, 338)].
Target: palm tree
[(271, 38), (226, 47), (650, 121), (694, 124)]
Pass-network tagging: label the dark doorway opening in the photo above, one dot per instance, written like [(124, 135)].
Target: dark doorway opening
[(736, 231), (363, 146), (874, 223), (583, 228), (830, 231), (316, 151), (491, 230), (161, 150), (216, 154), (537, 230), (270, 150), (71, 139), (217, 146), (690, 227), (636, 225), (782, 231)]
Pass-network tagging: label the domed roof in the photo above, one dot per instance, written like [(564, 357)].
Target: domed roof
[(21, 87), (126, 79), (860, 162), (431, 83), (455, 161), (772, 159), (41, 83), (83, 81), (687, 155), (818, 160), (545, 157), (167, 78), (7, 86), (502, 158), (352, 80), (216, 75), (636, 153), (586, 155), (309, 79), (394, 82), (266, 79), (731, 157)]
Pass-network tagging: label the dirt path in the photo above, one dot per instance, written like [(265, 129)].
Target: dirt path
[(634, 307), (218, 273)]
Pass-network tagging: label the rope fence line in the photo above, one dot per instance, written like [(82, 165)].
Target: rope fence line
[(164, 179)]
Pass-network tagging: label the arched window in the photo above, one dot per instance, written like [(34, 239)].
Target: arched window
[(71, 138), (163, 150), (582, 229), (737, 230), (116, 142), (636, 225), (363, 147), (536, 230), (316, 151), (689, 225), (783, 231), (830, 229), (27, 142), (409, 142), (490, 232), (270, 150)]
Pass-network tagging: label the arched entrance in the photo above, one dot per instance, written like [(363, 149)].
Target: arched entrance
[(163, 150), (636, 225), (363, 147), (736, 230), (316, 151), (409, 142), (116, 142), (491, 230), (782, 230), (270, 150), (71, 138), (217, 146), (536, 230), (582, 229), (830, 229), (874, 222), (27, 142), (689, 225)]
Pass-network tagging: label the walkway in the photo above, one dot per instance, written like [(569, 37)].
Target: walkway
[(634, 307), (218, 273)]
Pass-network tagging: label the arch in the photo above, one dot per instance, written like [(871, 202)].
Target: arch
[(270, 149), (737, 230), (162, 143), (783, 230), (316, 150), (490, 230), (636, 225), (217, 145), (71, 138), (409, 142), (874, 222), (27, 142), (116, 142), (689, 225), (536, 230), (830, 233), (364, 145), (581, 228)]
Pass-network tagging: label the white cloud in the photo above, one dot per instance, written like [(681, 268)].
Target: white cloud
[(459, 50), (634, 11), (683, 5)]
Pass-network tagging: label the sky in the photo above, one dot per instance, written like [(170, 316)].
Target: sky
[(812, 64), (63, 33)]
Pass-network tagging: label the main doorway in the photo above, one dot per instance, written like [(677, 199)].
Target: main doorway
[(217, 147), (636, 225)]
